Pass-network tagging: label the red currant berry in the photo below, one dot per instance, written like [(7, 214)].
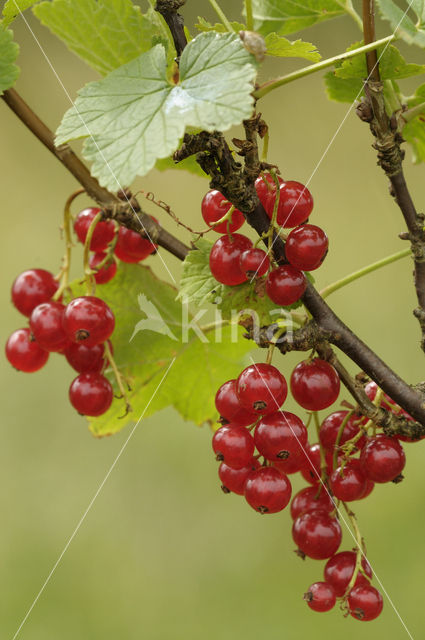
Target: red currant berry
[(91, 394), (331, 426), (261, 388), (254, 263), (280, 435), (88, 319), (24, 353), (103, 233), (386, 402), (285, 285), (225, 259), (295, 204), (340, 568), (228, 405), (46, 326), (316, 534), (132, 247), (233, 480), (233, 445), (214, 206), (265, 187), (370, 485), (107, 272), (311, 470), (320, 597), (310, 499), (294, 463), (382, 459), (85, 359), (365, 602), (306, 247), (31, 288), (267, 490), (315, 384), (349, 482)]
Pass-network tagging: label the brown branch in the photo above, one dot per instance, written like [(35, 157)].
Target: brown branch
[(126, 211), (369, 37), (168, 9)]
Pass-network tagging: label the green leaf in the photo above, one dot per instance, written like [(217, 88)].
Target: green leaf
[(149, 334), (342, 90), (104, 34), (189, 164), (287, 16), (414, 131), (13, 8), (198, 286), (280, 46), (135, 116), (404, 27), (204, 25), (9, 51)]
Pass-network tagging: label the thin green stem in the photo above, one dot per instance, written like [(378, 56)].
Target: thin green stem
[(66, 263), (88, 273), (313, 68), (265, 147), (391, 99), (350, 10), (413, 112), (363, 272), (339, 436), (249, 15), (221, 15)]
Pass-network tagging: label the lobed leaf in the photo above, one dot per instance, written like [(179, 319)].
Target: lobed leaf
[(413, 32), (414, 131), (282, 47), (9, 51), (287, 16), (13, 8)]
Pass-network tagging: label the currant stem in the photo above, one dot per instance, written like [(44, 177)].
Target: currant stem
[(363, 272), (349, 9), (274, 214), (66, 263), (413, 112), (249, 15), (118, 377), (323, 465), (221, 15), (339, 436), (360, 552), (265, 151), (109, 253), (313, 68), (88, 273)]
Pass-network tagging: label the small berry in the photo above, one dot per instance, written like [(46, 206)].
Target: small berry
[(234, 479), (107, 272), (371, 390), (233, 445), (91, 394), (382, 459), (311, 470), (85, 359), (365, 603), (267, 490), (132, 247), (229, 407), (254, 263), (316, 534), (214, 206), (280, 435), (309, 499), (320, 597), (285, 285), (315, 384), (46, 324), (24, 353), (88, 319), (266, 188), (225, 259), (261, 388), (103, 234), (306, 247), (31, 288), (295, 204), (331, 426), (349, 482), (340, 568)]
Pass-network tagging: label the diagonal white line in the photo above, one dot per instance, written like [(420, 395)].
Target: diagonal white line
[(119, 187), (92, 501), (332, 140), (340, 513)]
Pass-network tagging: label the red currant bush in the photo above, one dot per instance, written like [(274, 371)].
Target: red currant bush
[(225, 259), (214, 207), (267, 490), (320, 597), (306, 247), (88, 319), (91, 394), (103, 233), (24, 353), (261, 388), (285, 285), (31, 288), (315, 384)]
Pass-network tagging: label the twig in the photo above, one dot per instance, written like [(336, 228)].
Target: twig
[(169, 11)]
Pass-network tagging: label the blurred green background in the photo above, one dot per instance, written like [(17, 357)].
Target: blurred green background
[(163, 553)]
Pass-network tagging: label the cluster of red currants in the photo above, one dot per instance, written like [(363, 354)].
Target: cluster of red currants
[(342, 467), (234, 260), (81, 329)]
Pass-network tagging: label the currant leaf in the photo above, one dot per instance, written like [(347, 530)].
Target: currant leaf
[(9, 50), (404, 27), (286, 16), (188, 164), (204, 25), (13, 8), (280, 46), (414, 131), (149, 334), (135, 116), (106, 35)]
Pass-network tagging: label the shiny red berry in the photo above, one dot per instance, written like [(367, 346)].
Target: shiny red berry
[(267, 490), (365, 603), (85, 359), (24, 353), (317, 534), (225, 259), (107, 272), (382, 459), (132, 247), (103, 233), (320, 597), (311, 470), (46, 324), (340, 568), (331, 426), (261, 388), (371, 390), (91, 394), (310, 499), (348, 483), (234, 480), (265, 187), (88, 319), (233, 445), (306, 247), (229, 407), (295, 204), (315, 384), (280, 435), (214, 206), (285, 285), (31, 288), (254, 263)]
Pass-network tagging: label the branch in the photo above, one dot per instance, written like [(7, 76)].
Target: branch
[(369, 37), (168, 9), (125, 210)]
